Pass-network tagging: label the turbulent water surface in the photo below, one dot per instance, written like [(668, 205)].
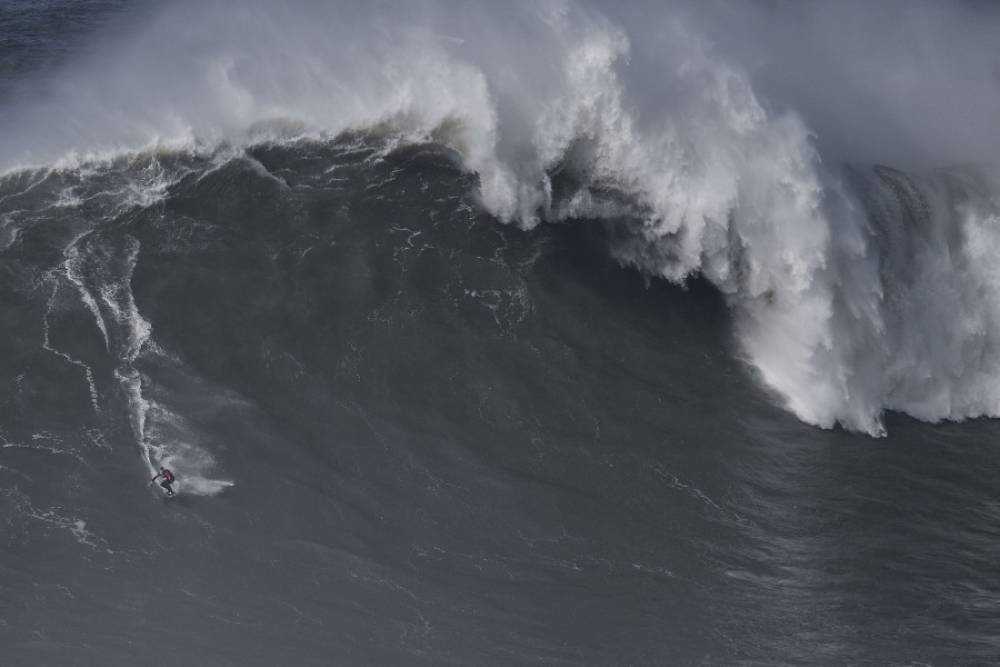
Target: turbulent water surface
[(545, 333)]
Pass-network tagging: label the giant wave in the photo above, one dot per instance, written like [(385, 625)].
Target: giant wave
[(856, 288)]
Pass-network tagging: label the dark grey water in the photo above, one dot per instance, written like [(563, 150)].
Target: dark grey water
[(408, 434)]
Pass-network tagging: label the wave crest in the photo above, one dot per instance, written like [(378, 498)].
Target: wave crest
[(853, 291)]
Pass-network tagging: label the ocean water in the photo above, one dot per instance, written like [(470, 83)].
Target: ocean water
[(535, 334)]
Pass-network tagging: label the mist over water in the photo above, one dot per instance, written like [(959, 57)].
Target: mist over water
[(714, 138), (509, 324)]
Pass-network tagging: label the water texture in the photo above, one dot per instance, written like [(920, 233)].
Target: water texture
[(545, 333)]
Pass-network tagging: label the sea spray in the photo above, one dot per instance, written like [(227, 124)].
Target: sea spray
[(669, 134)]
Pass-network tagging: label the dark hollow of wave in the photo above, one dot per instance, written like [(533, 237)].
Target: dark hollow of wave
[(451, 442)]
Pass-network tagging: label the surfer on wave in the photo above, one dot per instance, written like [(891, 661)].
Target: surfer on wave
[(168, 479)]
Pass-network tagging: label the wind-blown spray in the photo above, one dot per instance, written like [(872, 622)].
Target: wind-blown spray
[(705, 154)]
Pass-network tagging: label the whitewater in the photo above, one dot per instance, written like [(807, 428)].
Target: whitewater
[(479, 333), (699, 175)]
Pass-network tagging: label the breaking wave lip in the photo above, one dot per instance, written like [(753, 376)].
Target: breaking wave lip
[(710, 181)]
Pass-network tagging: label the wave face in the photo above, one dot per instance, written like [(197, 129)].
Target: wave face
[(666, 138), (499, 335)]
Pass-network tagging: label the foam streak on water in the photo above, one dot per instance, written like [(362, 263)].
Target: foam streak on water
[(47, 344), (664, 134)]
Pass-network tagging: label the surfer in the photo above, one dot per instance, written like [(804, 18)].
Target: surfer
[(168, 479)]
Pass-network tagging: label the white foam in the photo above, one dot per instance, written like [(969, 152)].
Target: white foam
[(720, 183), (55, 517), (70, 267), (47, 345), (174, 443)]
